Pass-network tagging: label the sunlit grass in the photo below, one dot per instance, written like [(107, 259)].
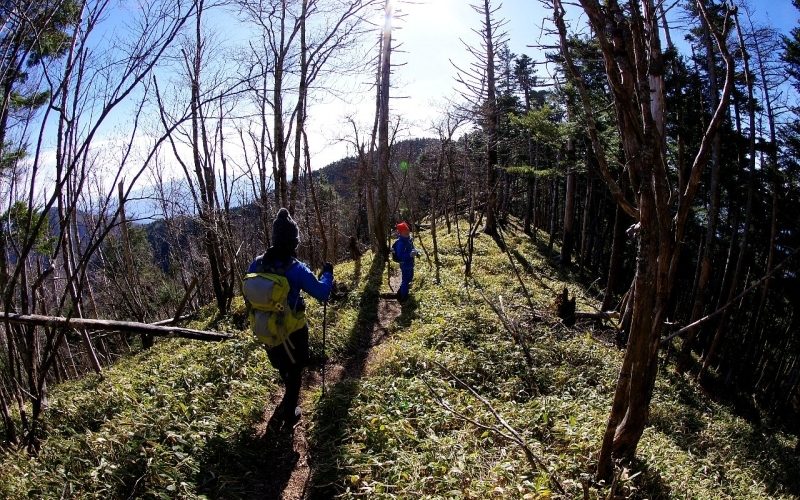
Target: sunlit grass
[(179, 420)]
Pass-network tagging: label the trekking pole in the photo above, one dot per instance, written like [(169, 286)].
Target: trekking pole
[(324, 335)]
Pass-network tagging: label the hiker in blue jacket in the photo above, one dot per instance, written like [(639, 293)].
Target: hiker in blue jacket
[(291, 356), (403, 252)]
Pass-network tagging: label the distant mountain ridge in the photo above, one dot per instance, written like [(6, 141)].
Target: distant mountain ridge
[(342, 174)]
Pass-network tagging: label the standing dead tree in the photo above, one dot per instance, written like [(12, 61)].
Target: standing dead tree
[(382, 119), (279, 25), (299, 44), (81, 91), (480, 94), (207, 174), (628, 36), (446, 129), (327, 30)]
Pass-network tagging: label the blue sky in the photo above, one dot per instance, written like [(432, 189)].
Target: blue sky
[(431, 33), (430, 36)]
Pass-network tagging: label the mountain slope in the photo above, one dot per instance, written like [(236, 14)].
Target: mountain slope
[(397, 439), (186, 419)]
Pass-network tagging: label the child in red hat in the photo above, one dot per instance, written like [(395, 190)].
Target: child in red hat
[(403, 252)]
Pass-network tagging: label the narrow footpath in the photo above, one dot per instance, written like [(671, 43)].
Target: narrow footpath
[(289, 457)]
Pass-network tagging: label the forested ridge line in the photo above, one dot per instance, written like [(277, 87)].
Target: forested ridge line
[(648, 151), (191, 418)]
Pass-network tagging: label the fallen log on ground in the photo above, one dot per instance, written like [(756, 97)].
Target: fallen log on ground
[(163, 322), (129, 327), (169, 321), (606, 315)]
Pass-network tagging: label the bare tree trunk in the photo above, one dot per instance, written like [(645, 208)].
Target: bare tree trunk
[(65, 212), (300, 112), (317, 211), (3, 260), (278, 129), (629, 42), (263, 154), (585, 222), (553, 215), (615, 262), (204, 173), (492, 123), (568, 241), (147, 341), (775, 178), (70, 279), (435, 198), (740, 261), (8, 423), (700, 298), (631, 402), (382, 216), (527, 220)]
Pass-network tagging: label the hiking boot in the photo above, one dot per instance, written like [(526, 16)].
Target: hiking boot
[(292, 418)]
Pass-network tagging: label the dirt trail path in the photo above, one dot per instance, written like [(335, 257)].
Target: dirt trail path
[(288, 470)]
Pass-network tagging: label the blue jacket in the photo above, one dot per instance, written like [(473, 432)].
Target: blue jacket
[(404, 249), (300, 278)]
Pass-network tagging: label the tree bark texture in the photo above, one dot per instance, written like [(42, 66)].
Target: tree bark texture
[(629, 41), (492, 123), (381, 215)]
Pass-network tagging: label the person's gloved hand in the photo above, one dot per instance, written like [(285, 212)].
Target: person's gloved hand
[(327, 268)]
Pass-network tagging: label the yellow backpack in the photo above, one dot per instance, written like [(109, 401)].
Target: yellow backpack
[(271, 318)]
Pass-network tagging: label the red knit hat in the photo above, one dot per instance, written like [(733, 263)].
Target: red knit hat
[(402, 228)]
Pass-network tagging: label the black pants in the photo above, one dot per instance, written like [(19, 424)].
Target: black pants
[(291, 372)]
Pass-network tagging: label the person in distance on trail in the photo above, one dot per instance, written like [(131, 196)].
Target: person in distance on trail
[(272, 290), (403, 252)]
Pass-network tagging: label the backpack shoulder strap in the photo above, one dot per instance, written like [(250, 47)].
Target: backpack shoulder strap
[(260, 263), (275, 267)]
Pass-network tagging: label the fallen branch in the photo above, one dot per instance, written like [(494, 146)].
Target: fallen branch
[(185, 300), (479, 425), (732, 301), (169, 321), (511, 433), (128, 327), (516, 336), (604, 315), (163, 322)]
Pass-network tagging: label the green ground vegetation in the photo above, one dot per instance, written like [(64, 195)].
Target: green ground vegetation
[(181, 419)]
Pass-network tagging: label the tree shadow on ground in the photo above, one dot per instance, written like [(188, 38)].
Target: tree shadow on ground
[(649, 483), (737, 401), (248, 464), (683, 424), (551, 271), (332, 417), (523, 261), (408, 310), (777, 461), (759, 446), (357, 267), (574, 272)]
